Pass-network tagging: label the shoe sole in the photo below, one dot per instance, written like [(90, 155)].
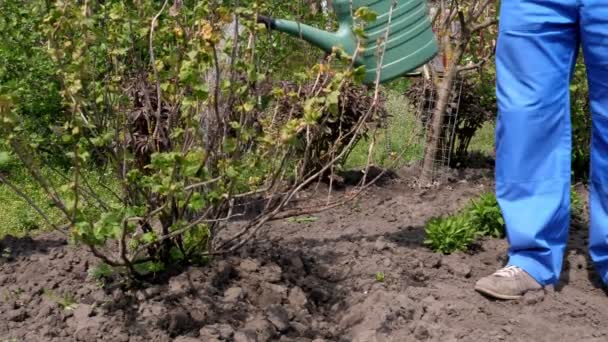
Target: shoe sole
[(497, 295)]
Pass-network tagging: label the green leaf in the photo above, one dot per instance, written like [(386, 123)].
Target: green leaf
[(359, 32), (248, 107), (149, 267), (176, 254), (359, 73), (196, 202), (231, 172), (201, 91), (332, 98), (5, 159), (148, 237), (100, 271), (302, 219), (366, 14)]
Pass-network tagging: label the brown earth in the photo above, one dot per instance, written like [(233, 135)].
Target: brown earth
[(309, 281)]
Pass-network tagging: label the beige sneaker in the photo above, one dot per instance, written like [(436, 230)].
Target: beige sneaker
[(510, 282)]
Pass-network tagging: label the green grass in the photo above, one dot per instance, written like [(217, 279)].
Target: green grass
[(18, 218), (396, 145), (483, 141), (402, 142)]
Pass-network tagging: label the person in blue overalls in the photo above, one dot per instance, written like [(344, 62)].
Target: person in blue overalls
[(537, 47)]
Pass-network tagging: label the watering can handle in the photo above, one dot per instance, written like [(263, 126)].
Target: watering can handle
[(268, 21)]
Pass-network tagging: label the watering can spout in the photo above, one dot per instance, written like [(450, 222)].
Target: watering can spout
[(317, 37), (398, 41)]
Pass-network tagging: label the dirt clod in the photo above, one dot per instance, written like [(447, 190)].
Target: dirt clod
[(381, 244), (364, 336), (432, 261), (297, 263), (225, 331), (248, 266), (299, 327), (297, 298), (17, 315), (271, 273), (271, 294), (534, 297), (234, 294), (456, 267), (190, 339), (260, 327), (421, 331), (177, 321), (209, 333), (245, 336), (180, 285), (279, 317)]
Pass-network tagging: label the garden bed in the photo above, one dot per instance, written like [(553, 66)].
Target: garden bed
[(356, 273)]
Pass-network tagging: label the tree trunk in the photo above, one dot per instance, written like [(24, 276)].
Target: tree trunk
[(435, 129)]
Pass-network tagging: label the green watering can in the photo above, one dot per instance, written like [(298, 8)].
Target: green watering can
[(411, 42)]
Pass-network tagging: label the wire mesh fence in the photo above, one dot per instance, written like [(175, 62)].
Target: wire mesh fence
[(424, 96)]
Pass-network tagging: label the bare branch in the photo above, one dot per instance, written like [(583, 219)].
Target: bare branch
[(181, 231), (468, 67), (476, 14), (103, 257), (155, 69), (201, 184), (485, 24)]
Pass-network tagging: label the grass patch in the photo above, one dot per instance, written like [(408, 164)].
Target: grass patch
[(17, 216), (19, 219), (398, 144), (484, 139), (403, 141)]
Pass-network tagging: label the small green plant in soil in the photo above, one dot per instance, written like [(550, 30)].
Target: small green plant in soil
[(101, 272), (486, 217), (303, 219), (450, 234), (482, 218), (67, 302), (576, 203), (12, 294)]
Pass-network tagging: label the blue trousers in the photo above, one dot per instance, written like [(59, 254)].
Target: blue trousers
[(537, 48)]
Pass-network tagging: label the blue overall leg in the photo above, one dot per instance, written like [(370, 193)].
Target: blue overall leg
[(594, 36), (536, 52)]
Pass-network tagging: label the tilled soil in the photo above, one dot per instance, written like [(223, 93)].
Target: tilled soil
[(309, 281)]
